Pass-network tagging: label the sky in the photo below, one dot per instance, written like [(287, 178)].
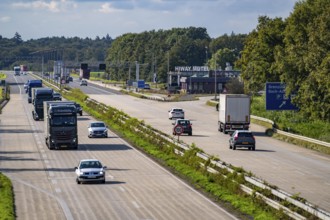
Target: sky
[(35, 19)]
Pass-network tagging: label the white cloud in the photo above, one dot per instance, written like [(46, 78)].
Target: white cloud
[(4, 19), (53, 6), (107, 8)]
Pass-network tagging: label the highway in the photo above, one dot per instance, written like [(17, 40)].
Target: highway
[(44, 180), (296, 170)]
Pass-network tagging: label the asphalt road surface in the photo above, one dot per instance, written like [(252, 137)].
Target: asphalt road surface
[(44, 180), (294, 169)]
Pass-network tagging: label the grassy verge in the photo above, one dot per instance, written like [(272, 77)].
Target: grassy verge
[(6, 199), (223, 189)]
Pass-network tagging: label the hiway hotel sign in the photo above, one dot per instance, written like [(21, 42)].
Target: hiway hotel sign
[(191, 69)]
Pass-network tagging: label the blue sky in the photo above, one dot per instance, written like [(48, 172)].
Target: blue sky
[(34, 19)]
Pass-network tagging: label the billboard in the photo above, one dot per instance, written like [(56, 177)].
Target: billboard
[(276, 98)]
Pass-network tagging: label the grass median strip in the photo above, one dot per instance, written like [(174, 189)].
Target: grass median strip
[(6, 198)]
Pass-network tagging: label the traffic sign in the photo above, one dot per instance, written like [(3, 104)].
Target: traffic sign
[(178, 129), (276, 98), (140, 84)]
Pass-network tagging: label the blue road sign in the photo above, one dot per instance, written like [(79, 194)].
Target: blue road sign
[(140, 84), (276, 98)]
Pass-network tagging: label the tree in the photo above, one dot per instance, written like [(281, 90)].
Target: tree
[(17, 38), (258, 57), (304, 62)]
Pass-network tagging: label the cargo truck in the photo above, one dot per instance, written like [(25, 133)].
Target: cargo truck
[(37, 83), (61, 129), (17, 70), (39, 95), (84, 74), (234, 112), (23, 69)]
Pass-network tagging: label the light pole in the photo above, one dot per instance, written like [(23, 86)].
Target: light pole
[(215, 77), (206, 54)]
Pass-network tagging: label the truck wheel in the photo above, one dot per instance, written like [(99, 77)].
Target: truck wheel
[(234, 147), (230, 147), (190, 133), (50, 145), (80, 113)]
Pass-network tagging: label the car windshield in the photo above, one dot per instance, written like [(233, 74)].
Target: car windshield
[(90, 164), (183, 122), (63, 120), (97, 125)]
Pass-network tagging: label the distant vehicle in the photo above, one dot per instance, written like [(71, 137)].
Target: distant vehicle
[(234, 112), (84, 73), (147, 86), (17, 70), (57, 96), (70, 79), (23, 69), (79, 109), (61, 129), (90, 170), (185, 124), (26, 86), (97, 129), (176, 113), (83, 82), (242, 138)]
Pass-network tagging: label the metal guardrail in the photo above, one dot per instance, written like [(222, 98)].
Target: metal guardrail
[(299, 137)]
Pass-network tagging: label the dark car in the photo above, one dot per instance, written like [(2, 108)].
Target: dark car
[(79, 109), (242, 138), (185, 124), (57, 96)]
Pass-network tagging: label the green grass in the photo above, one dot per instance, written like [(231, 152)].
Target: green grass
[(6, 199), (3, 76)]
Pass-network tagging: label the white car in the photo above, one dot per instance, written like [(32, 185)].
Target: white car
[(90, 170), (176, 113), (97, 129)]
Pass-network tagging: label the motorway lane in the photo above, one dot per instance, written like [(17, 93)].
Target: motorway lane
[(294, 169), (44, 180)]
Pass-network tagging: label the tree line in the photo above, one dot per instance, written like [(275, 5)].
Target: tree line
[(294, 51)]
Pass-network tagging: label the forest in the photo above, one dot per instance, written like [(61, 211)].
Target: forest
[(294, 51)]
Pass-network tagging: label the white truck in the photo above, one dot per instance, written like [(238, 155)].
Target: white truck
[(234, 112)]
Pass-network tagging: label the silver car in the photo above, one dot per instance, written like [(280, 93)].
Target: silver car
[(176, 113), (90, 170), (97, 129)]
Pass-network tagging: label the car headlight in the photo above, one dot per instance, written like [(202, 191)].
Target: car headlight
[(81, 173), (101, 172)]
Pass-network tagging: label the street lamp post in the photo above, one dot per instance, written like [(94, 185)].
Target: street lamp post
[(215, 77)]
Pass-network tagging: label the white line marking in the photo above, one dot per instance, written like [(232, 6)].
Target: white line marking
[(135, 204), (122, 189)]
